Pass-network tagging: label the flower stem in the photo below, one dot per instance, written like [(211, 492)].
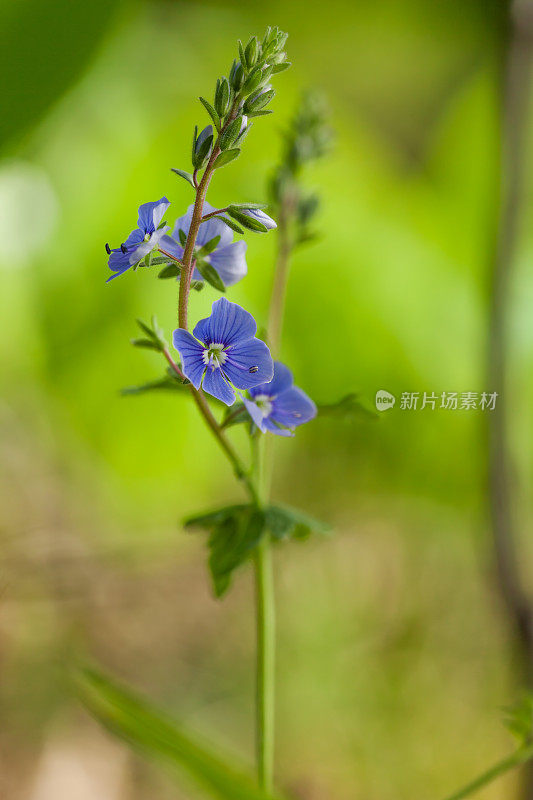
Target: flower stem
[(265, 618), (265, 626), (522, 755)]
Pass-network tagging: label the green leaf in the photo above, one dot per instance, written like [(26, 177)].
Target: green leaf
[(226, 157), (149, 344), (230, 134), (171, 270), (202, 154), (166, 384), (281, 67), (249, 205), (231, 542), (262, 113), (185, 175), (197, 285), (208, 247), (235, 415), (210, 519), (284, 521), (157, 735), (182, 237), (234, 532), (247, 222), (210, 274), (519, 719), (158, 260), (155, 334), (348, 407), (222, 95), (211, 111), (230, 224)]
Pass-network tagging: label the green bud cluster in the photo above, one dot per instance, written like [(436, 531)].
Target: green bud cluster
[(307, 138), (243, 93)]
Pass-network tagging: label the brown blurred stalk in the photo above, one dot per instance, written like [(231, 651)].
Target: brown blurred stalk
[(515, 85)]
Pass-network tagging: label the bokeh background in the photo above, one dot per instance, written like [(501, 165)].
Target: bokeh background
[(395, 656)]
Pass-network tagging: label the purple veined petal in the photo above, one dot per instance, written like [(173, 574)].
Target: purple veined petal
[(147, 246), (151, 214), (215, 384), (248, 363), (228, 324), (260, 216), (273, 428), (191, 352), (255, 413), (207, 231), (292, 408), (281, 381), (230, 262), (169, 245), (119, 261)]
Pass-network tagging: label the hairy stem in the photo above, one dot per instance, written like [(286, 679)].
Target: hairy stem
[(196, 221), (500, 768)]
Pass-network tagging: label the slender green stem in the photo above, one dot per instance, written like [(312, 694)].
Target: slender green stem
[(265, 622), (505, 765), (264, 585)]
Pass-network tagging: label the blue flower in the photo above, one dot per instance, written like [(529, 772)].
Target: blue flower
[(140, 241), (279, 406), (227, 352), (228, 257)]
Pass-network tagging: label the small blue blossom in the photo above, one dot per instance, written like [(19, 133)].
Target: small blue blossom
[(140, 241), (228, 258), (224, 350), (260, 216), (279, 406)]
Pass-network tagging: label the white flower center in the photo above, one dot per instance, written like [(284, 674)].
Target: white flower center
[(214, 355), (264, 404)]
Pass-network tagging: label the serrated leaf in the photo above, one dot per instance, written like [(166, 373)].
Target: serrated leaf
[(209, 273), (347, 407), (172, 270), (231, 542), (226, 157), (211, 111), (159, 736), (185, 175), (284, 521), (231, 224)]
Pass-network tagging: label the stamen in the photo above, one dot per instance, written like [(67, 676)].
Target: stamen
[(107, 249), (253, 369), (123, 248)]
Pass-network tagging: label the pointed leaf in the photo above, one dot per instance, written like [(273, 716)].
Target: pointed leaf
[(226, 157), (211, 111), (156, 734), (210, 274), (185, 175)]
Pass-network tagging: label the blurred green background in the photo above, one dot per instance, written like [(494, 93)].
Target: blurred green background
[(394, 654)]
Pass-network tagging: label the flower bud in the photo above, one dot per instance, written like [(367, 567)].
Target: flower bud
[(222, 94), (202, 147)]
